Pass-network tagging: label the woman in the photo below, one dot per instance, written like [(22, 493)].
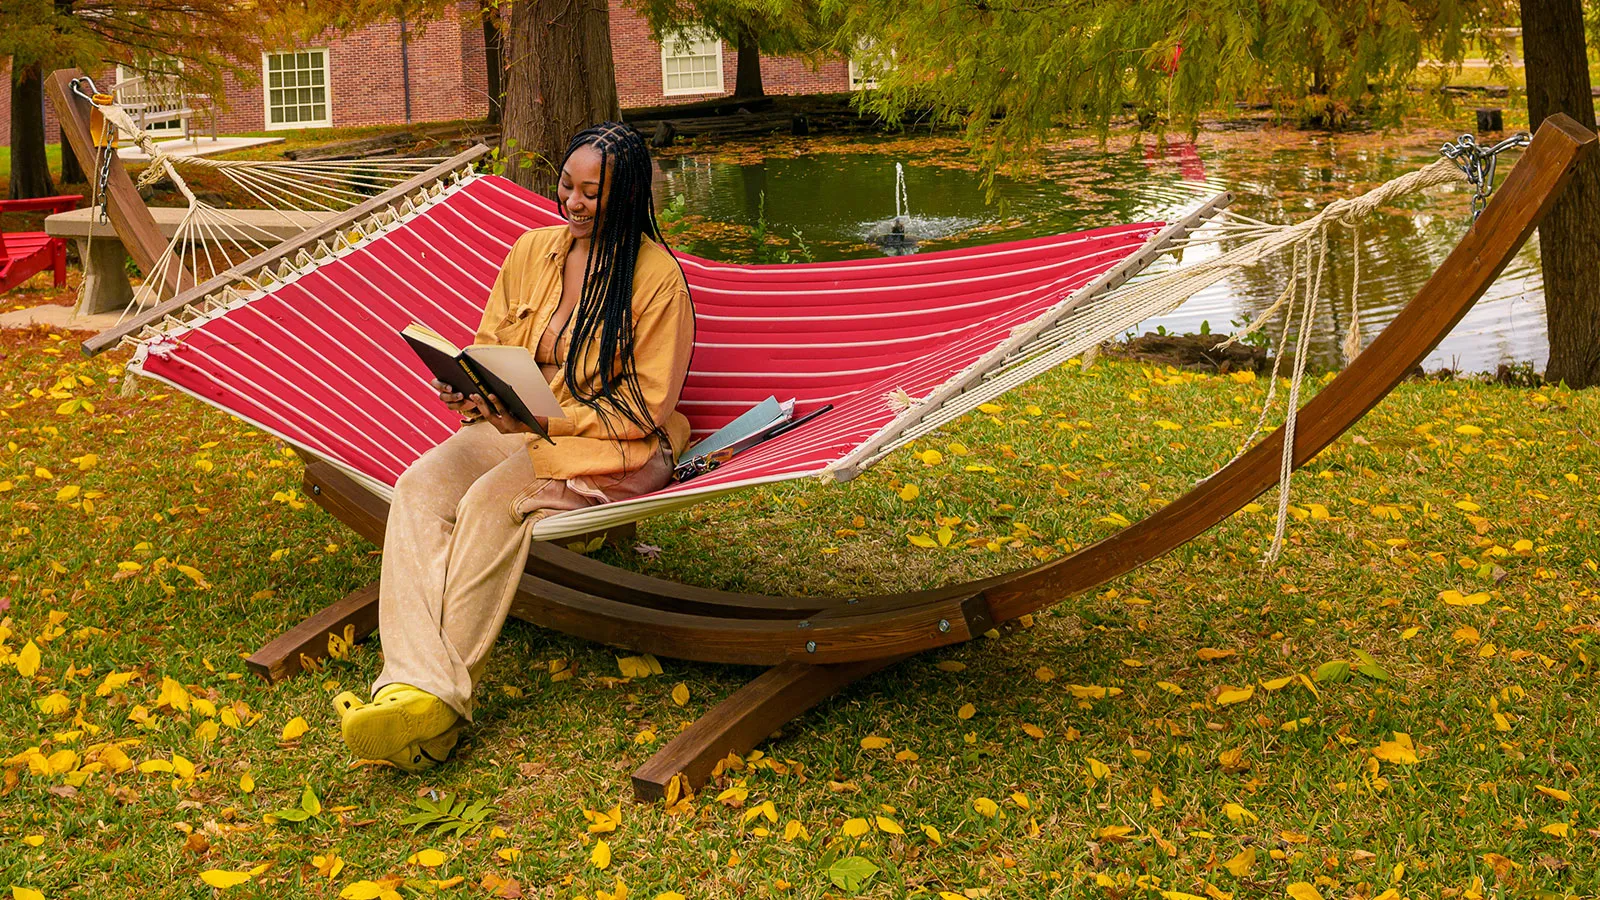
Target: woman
[(603, 306)]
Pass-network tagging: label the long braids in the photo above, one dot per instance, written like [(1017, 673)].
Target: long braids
[(605, 305)]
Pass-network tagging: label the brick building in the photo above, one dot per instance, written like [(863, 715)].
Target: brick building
[(384, 75)]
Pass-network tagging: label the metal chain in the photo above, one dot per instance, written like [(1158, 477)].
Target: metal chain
[(1477, 162), (104, 148)]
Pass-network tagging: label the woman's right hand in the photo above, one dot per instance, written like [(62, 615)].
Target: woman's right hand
[(450, 398)]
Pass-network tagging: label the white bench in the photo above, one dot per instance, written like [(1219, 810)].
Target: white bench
[(106, 286)]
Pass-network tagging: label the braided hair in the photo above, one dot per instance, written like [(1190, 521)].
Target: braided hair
[(605, 306)]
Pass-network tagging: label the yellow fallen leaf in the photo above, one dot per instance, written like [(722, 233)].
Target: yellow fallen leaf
[(1469, 430), (601, 856), (855, 827), (1033, 731), (247, 784), (932, 834), (1044, 673), (1301, 890), (873, 742), (1556, 793), (966, 711), (1212, 654), (1558, 829), (1396, 752), (1239, 695), (1277, 684), (28, 660), (680, 693), (1169, 687), (795, 831), (986, 807), (22, 893), (294, 729), (222, 880), (54, 705), (910, 492), (33, 840), (428, 858), (888, 825), (1238, 815), (1456, 598), (1242, 864), (362, 890), (1097, 769)]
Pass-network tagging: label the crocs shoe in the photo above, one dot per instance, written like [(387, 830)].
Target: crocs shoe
[(398, 720), (345, 702), (424, 755)]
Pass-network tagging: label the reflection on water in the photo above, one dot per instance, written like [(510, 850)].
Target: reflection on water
[(844, 204)]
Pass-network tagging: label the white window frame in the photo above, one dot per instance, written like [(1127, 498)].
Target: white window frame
[(696, 35), (266, 90)]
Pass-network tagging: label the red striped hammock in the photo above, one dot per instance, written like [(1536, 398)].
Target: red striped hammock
[(314, 357)]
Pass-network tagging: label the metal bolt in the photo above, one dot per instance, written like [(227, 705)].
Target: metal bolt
[(805, 624), (853, 600), (316, 489), (944, 625), (811, 646)]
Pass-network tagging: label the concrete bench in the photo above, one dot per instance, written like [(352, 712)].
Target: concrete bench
[(105, 280)]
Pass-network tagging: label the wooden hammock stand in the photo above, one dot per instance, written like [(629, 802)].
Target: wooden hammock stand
[(817, 645)]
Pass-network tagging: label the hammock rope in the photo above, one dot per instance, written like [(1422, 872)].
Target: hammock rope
[(209, 240)]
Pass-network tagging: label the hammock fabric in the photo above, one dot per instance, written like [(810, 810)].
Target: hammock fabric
[(316, 358)]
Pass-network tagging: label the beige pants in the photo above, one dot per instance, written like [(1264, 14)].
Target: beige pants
[(456, 542)]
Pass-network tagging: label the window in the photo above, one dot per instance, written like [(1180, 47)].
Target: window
[(691, 63), (296, 85), (866, 64)]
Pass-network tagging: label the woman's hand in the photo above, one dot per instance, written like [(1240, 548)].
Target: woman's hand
[(494, 412), (448, 396)]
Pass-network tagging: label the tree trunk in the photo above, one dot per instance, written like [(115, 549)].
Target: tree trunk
[(1569, 239), (748, 81), (30, 173), (71, 172), (494, 58), (559, 81)]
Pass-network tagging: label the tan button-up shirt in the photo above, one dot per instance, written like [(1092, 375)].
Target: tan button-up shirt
[(518, 312)]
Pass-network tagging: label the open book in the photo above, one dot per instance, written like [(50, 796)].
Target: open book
[(762, 422), (509, 373)]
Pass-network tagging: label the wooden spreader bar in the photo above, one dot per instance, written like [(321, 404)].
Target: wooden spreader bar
[(817, 645)]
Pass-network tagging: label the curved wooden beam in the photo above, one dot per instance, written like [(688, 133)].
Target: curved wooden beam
[(1512, 214)]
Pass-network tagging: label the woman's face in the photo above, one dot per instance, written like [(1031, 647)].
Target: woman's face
[(579, 191)]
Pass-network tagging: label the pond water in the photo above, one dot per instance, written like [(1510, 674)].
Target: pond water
[(841, 198)]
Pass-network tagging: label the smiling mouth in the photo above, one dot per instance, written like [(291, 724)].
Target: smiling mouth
[(579, 220)]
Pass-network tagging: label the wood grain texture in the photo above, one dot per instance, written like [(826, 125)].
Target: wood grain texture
[(1513, 212), (286, 250), (281, 658), (132, 221), (746, 718)]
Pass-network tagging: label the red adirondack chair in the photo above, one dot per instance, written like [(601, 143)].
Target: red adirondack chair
[(24, 254)]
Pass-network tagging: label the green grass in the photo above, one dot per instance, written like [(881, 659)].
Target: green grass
[(1412, 503)]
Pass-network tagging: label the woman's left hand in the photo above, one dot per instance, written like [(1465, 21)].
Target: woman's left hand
[(495, 413)]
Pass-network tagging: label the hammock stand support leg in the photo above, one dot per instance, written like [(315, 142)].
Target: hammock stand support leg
[(744, 719)]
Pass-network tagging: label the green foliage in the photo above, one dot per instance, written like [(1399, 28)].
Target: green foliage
[(310, 807), (449, 814), (764, 251), (851, 873), (1009, 70), (777, 26)]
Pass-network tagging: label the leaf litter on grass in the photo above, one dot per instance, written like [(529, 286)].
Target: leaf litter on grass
[(1325, 723)]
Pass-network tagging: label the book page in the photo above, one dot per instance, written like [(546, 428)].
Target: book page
[(425, 335), (516, 367)]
